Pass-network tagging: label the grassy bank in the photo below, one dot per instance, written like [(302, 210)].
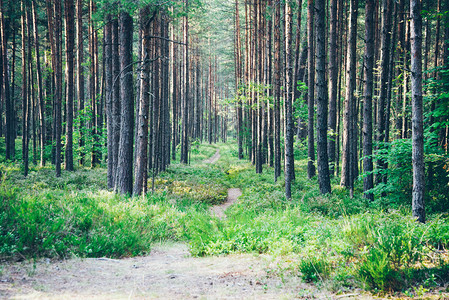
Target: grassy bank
[(332, 240)]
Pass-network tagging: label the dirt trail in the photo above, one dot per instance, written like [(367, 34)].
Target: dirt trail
[(213, 158), (169, 272), (233, 195)]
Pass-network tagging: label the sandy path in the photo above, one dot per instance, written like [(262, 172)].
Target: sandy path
[(213, 158), (167, 273), (233, 195)]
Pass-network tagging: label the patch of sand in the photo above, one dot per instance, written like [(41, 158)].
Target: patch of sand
[(169, 272)]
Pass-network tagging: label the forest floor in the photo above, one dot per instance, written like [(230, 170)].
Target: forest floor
[(168, 272), (210, 230)]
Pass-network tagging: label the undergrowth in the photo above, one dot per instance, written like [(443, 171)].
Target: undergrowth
[(330, 239)]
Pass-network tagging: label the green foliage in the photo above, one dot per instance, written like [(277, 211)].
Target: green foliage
[(314, 268), (92, 141), (398, 155), (61, 223)]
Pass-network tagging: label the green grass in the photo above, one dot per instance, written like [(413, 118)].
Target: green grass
[(330, 239)]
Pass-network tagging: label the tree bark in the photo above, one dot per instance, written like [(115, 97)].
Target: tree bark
[(277, 91), (238, 77), (347, 178), (116, 107), (289, 158), (417, 112), (69, 43), (185, 121), (381, 105), (322, 100), (80, 73), (368, 99), (39, 85), (108, 90), (333, 80), (142, 118), (25, 84), (8, 98), (124, 177), (311, 90)]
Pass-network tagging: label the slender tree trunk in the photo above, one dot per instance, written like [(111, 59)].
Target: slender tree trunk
[(124, 174), (31, 124), (333, 80), (58, 86), (368, 99), (25, 84), (8, 98), (175, 99), (108, 90), (93, 85), (311, 90), (277, 91), (142, 118), (289, 158), (238, 77), (417, 111), (381, 106), (270, 91), (80, 73), (116, 106), (347, 178), (185, 124), (69, 42), (322, 101), (39, 85)]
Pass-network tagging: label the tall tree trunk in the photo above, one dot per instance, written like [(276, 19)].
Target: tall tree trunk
[(175, 98), (93, 85), (417, 111), (108, 90), (185, 123), (8, 98), (25, 84), (116, 107), (311, 90), (124, 174), (322, 103), (58, 85), (368, 99), (270, 110), (69, 42), (80, 73), (289, 158), (277, 91), (39, 85), (381, 105), (142, 118), (333, 80), (347, 178), (238, 77)]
